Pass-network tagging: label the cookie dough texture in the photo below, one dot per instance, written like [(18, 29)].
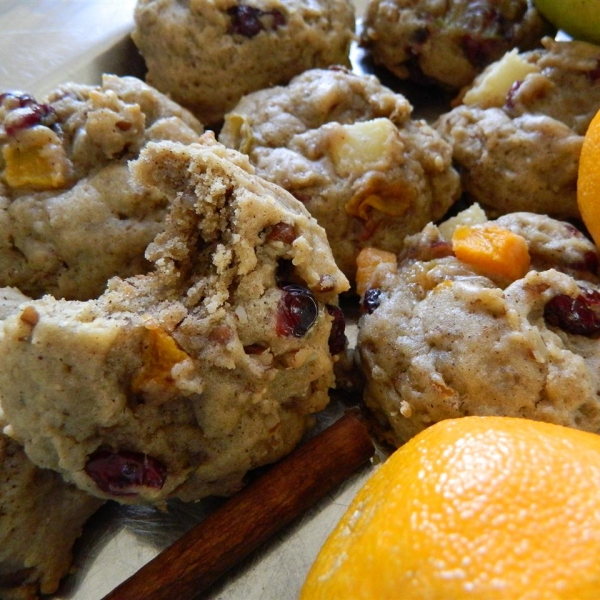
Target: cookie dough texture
[(188, 370), (347, 147), (528, 163), (207, 55), (447, 342), (448, 43), (41, 516), (69, 217), (522, 153)]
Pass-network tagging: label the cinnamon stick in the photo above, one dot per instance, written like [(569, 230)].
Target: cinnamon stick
[(193, 563)]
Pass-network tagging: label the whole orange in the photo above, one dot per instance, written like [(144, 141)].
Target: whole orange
[(472, 508), (588, 180)]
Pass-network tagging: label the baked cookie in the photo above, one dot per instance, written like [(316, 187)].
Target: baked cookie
[(449, 331), (526, 163), (69, 217), (517, 136), (448, 43), (560, 80), (41, 516), (177, 382), (207, 55), (347, 147)]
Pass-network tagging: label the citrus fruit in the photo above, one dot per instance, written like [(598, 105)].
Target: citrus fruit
[(579, 18), (588, 180), (479, 508)]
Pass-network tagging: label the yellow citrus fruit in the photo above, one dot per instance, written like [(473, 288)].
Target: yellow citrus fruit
[(588, 180), (479, 508)]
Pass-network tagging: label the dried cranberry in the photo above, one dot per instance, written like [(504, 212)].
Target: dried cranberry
[(371, 300), (337, 335), (117, 472), (26, 113), (17, 99), (588, 264), (297, 311), (250, 21), (580, 315)]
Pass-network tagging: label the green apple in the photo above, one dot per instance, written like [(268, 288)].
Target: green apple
[(579, 18)]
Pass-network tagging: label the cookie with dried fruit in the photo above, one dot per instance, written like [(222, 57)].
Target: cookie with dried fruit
[(483, 318), (177, 382), (69, 217)]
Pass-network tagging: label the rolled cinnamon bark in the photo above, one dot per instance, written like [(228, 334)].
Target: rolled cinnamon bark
[(243, 523)]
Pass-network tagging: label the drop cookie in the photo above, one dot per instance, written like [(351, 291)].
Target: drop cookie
[(207, 55), (348, 148), (450, 329), (177, 382), (69, 217)]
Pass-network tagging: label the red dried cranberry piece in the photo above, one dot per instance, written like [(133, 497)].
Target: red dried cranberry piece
[(250, 21), (580, 315), (27, 113), (589, 263), (20, 99), (371, 301), (297, 311), (337, 335), (117, 472)]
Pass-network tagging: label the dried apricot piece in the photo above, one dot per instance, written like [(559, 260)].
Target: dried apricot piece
[(368, 274), (492, 250)]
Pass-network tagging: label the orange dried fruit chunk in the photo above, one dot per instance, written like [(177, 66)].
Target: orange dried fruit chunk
[(588, 180), (368, 268), (476, 508), (160, 354), (36, 159), (492, 250)]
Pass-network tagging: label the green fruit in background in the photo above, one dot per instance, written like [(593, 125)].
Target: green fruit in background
[(579, 18)]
